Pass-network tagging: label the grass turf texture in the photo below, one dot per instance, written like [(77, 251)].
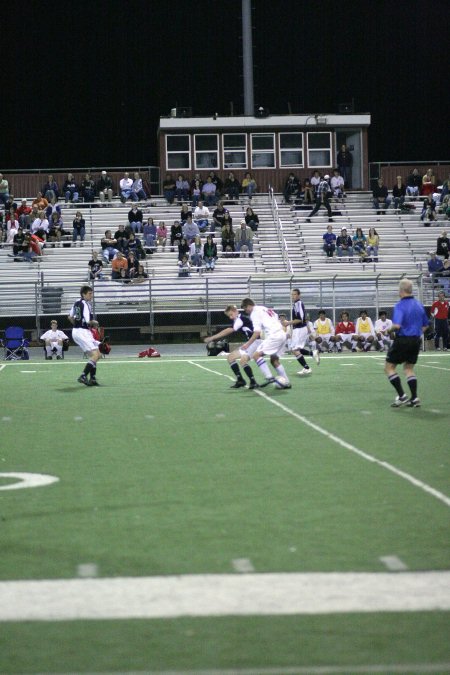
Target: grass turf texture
[(171, 472)]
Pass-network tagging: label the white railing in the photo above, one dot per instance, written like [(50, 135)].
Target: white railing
[(284, 249)]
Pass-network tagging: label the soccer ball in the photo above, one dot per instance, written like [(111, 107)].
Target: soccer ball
[(282, 381)]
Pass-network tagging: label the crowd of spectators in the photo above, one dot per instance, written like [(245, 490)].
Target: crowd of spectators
[(362, 247), (209, 190)]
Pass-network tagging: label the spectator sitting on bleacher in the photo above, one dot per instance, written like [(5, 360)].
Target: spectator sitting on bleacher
[(40, 202), (428, 210), (12, 226), (364, 332), (435, 265), (70, 189), (209, 192), (428, 183), (52, 208), (399, 193), (359, 243), (95, 267), (24, 213), (290, 188), (413, 184), (55, 229), (50, 189), (308, 192), (190, 230), (315, 180), (183, 248), (149, 236), (133, 264), (249, 185), (105, 187), (232, 187), (196, 193), (4, 190), (40, 225), (227, 233), (185, 212), (141, 273), (135, 218), (373, 243), (184, 266), (161, 235), (31, 247), (228, 220), (18, 241), (182, 188), (381, 199), (444, 279), (219, 214), (79, 228), (176, 232), (88, 188), (344, 244), (119, 262), (210, 253), (201, 215), (109, 246), (446, 206), (169, 188), (251, 219), (196, 253), (121, 236), (125, 188), (329, 242), (218, 183), (244, 240), (137, 189), (443, 245), (134, 245), (337, 185)]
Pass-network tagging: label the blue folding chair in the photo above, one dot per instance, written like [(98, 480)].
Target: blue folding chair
[(15, 346)]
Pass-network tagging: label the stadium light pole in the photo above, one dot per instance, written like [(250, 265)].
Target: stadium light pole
[(247, 52)]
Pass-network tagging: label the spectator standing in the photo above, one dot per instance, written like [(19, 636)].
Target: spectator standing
[(439, 309), (196, 192), (322, 199), (184, 266), (227, 233), (345, 163)]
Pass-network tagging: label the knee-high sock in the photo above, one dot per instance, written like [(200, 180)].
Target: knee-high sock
[(262, 365), (396, 383), (412, 384)]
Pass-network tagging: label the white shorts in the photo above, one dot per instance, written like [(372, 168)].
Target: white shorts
[(251, 350), (274, 345), (300, 337), (365, 335), (325, 336), (84, 339), (345, 337)]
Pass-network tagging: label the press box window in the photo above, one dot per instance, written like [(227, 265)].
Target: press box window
[(263, 151), (319, 149), (206, 151), (178, 152), (234, 151), (291, 149)]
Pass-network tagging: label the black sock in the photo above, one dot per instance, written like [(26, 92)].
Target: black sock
[(306, 352), (88, 369), (235, 368), (397, 384), (412, 384), (249, 372), (302, 362)]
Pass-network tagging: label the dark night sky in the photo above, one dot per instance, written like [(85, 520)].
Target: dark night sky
[(90, 79)]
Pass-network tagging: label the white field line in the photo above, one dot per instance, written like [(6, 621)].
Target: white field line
[(393, 563), (3, 365), (384, 669), (422, 365), (242, 565), (208, 595), (348, 446)]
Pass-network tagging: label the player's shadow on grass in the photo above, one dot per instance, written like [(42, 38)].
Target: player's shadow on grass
[(70, 390)]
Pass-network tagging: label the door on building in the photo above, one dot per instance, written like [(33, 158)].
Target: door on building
[(352, 139)]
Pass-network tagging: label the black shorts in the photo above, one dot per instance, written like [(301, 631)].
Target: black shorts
[(404, 350)]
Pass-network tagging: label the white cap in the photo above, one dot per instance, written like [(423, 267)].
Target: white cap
[(327, 177), (103, 173)]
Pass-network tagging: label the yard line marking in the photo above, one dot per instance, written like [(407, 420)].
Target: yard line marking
[(242, 565), (432, 363), (27, 480), (6, 419), (393, 563), (77, 419), (213, 595), (422, 365), (348, 446), (87, 570), (347, 364), (27, 371), (2, 366), (385, 669), (366, 412)]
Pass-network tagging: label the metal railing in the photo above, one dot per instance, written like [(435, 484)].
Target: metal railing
[(284, 249)]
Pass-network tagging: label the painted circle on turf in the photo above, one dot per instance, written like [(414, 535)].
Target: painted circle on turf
[(27, 480)]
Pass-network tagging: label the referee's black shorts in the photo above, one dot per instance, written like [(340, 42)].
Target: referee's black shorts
[(404, 350)]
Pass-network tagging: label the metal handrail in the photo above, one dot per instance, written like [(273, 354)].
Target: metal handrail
[(280, 233)]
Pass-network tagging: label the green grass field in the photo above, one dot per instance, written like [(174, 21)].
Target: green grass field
[(164, 470)]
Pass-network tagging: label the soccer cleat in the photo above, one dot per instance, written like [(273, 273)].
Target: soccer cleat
[(282, 383), (238, 384), (93, 382), (414, 403), (305, 372), (316, 356), (83, 380), (253, 385), (58, 358), (399, 400)]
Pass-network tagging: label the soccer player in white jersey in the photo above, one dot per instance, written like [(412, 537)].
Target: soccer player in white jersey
[(266, 321), (54, 339), (243, 324), (383, 327), (82, 319)]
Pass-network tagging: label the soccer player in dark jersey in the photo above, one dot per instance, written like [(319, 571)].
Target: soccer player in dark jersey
[(300, 333), (409, 321), (243, 324), (82, 319)]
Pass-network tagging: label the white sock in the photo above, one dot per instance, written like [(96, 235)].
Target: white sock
[(262, 365), (281, 371)]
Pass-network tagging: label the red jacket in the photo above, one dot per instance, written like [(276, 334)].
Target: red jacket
[(440, 309)]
